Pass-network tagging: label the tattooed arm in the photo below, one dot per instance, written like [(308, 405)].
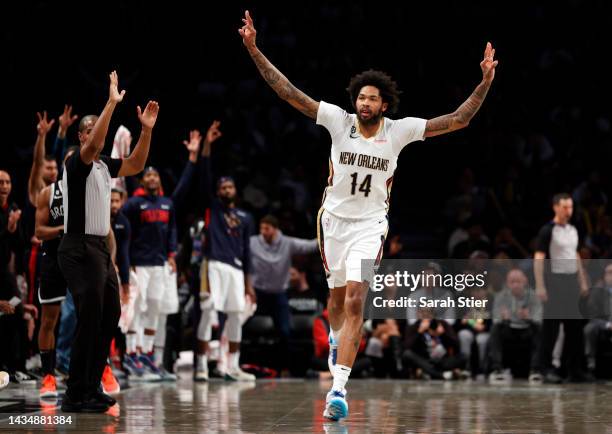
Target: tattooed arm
[(461, 117), (277, 81)]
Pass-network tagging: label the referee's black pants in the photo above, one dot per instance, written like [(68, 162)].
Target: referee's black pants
[(86, 264), (562, 308)]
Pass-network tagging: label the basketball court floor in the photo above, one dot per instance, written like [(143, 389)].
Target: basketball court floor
[(296, 406)]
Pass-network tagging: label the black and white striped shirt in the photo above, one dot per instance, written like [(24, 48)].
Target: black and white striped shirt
[(560, 243), (87, 193)]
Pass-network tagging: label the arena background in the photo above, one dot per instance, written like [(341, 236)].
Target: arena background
[(545, 127), (551, 90)]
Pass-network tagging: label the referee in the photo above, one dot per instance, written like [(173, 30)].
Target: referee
[(84, 256), (560, 282)]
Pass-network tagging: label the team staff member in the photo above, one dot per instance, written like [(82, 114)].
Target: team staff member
[(84, 255)]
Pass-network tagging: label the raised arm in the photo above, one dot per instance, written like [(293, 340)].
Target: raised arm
[(277, 81), (461, 117), (95, 141), (35, 182), (206, 182), (42, 229), (182, 188), (136, 161), (65, 120)]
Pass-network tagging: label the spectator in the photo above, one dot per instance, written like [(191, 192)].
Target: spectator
[(476, 240), (601, 241), (431, 346), (13, 322), (517, 319), (506, 242), (271, 253), (431, 293), (302, 298), (474, 327), (600, 312), (385, 348)]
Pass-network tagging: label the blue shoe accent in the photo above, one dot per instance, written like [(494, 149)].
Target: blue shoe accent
[(149, 364), (132, 365), (337, 407)]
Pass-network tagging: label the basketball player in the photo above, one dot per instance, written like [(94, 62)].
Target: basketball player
[(44, 167), (153, 242), (225, 271), (352, 223), (49, 228)]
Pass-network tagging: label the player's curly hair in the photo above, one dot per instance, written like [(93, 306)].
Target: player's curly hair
[(380, 80)]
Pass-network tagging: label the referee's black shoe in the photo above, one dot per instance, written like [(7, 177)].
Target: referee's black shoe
[(89, 405), (100, 396)]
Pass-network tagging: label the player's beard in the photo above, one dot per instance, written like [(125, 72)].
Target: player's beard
[(373, 120), (226, 200)]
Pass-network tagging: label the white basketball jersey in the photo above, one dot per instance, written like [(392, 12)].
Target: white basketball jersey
[(361, 170)]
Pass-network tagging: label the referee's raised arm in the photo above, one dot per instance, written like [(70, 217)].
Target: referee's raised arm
[(95, 142)]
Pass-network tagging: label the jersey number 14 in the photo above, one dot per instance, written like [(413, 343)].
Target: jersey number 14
[(364, 187)]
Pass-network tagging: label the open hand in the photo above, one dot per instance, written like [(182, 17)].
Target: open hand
[(113, 94), (247, 31), (488, 63), (193, 144), (149, 116), (43, 125)]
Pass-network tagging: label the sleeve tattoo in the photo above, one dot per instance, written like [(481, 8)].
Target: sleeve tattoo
[(462, 116), (283, 87)]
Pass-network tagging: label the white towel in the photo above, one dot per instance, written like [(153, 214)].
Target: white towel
[(121, 149)]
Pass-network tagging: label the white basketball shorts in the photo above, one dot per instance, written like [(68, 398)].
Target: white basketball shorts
[(344, 243)]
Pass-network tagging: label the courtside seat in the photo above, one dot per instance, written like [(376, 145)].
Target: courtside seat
[(259, 341), (301, 345), (259, 330)]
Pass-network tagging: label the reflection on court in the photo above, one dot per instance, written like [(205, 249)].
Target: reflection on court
[(296, 406)]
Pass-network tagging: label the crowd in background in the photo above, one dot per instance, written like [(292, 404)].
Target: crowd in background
[(544, 129)]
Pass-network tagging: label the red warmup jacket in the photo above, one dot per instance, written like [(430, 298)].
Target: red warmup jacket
[(320, 332)]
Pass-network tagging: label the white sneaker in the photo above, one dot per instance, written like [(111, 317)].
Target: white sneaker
[(166, 375), (535, 378), (200, 375), (147, 377), (336, 407), (500, 377), (24, 379), (239, 375)]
